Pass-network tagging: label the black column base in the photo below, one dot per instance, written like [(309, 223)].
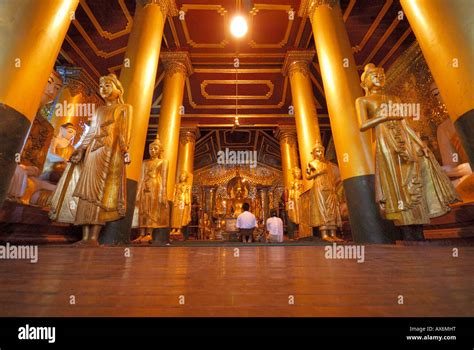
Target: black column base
[(14, 129), (291, 227), (118, 232), (161, 236), (367, 225), (412, 233), (465, 127)]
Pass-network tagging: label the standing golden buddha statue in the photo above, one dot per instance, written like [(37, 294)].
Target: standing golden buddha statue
[(181, 215), (152, 202), (294, 204), (410, 186), (100, 188), (324, 204)]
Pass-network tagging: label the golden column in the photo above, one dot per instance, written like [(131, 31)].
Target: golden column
[(353, 148), (306, 117), (177, 67), (187, 143), (138, 76), (31, 35), (289, 154), (444, 30)]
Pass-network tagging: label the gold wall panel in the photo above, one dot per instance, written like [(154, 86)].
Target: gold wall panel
[(207, 96), (273, 106), (220, 10), (269, 7)]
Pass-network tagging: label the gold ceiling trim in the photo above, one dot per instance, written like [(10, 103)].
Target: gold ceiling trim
[(348, 10), (67, 57), (234, 55), (241, 116), (227, 63), (156, 103), (395, 47), (94, 48), (104, 33), (174, 33), (207, 96), (196, 106), (81, 55), (160, 78), (319, 87), (113, 69), (373, 26), (268, 7), (300, 31), (242, 70), (220, 10), (382, 40)]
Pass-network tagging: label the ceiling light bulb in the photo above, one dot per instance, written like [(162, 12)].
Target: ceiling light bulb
[(238, 26)]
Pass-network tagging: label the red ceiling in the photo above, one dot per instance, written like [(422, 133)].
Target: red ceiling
[(98, 37)]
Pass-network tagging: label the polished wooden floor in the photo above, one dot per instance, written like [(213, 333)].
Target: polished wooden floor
[(261, 281)]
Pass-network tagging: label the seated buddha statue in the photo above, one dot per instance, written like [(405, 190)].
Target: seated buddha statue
[(238, 192)]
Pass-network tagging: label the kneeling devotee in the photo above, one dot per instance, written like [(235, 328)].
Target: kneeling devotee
[(246, 222), (274, 228)]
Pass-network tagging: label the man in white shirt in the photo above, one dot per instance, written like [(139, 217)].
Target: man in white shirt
[(275, 228), (246, 222)]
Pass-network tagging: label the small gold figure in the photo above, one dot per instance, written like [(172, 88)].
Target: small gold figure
[(324, 205), (153, 208), (102, 157), (181, 214), (410, 185), (294, 204), (205, 227)]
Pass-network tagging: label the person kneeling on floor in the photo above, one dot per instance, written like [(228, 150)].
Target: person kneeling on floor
[(274, 228)]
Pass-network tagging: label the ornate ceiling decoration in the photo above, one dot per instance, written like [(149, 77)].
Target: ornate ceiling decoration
[(97, 39)]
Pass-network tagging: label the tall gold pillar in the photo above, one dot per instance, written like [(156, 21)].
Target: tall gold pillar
[(187, 143), (289, 154), (138, 76), (444, 30), (306, 117), (31, 35), (353, 148), (177, 67)]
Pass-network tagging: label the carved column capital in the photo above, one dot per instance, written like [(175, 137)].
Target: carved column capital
[(307, 7), (168, 7), (176, 62), (286, 134), (188, 134), (297, 61)]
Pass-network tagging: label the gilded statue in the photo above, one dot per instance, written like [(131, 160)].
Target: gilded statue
[(410, 185), (101, 158), (324, 204), (152, 202), (205, 228), (294, 204), (238, 191), (181, 214)]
